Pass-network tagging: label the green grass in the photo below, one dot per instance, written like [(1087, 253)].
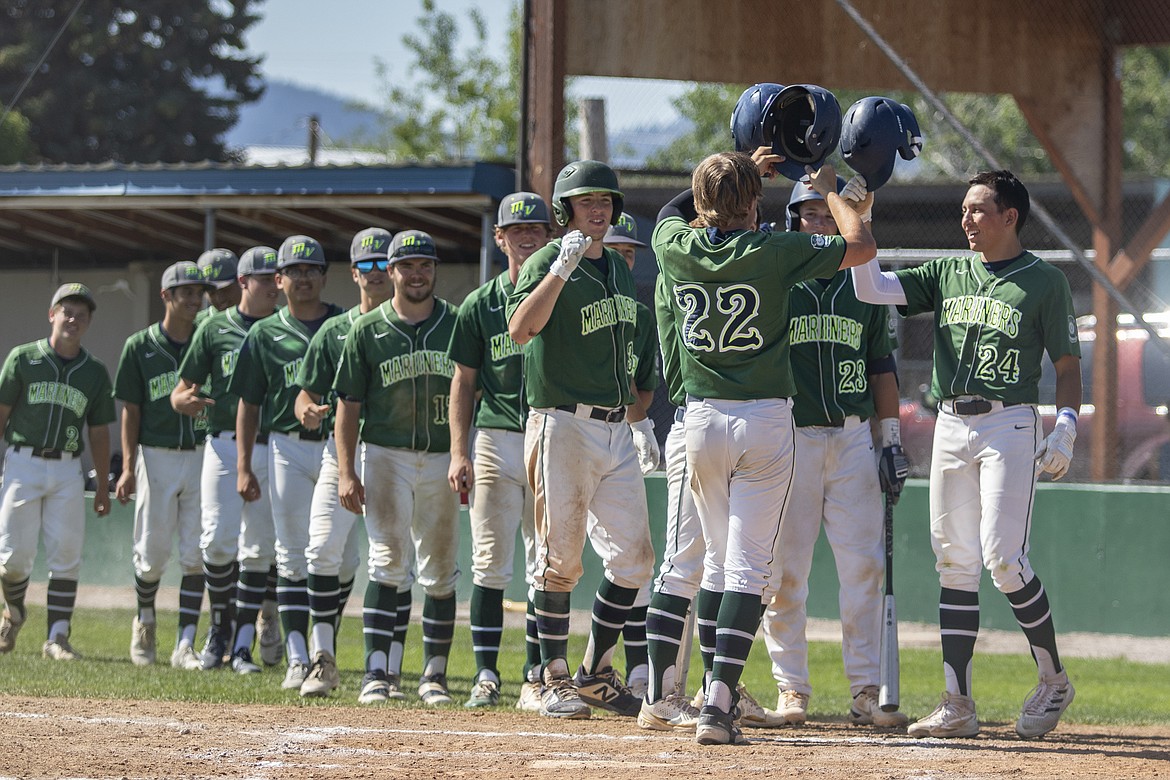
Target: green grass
[(1109, 692)]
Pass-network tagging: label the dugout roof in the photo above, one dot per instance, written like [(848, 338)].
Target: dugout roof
[(108, 215)]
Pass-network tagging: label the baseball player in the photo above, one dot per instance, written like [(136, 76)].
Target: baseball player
[(623, 237), (489, 362), (576, 321), (729, 288), (266, 381), (995, 315), (332, 552), (393, 383), (238, 540), (843, 366), (219, 268), (161, 461), (49, 390)]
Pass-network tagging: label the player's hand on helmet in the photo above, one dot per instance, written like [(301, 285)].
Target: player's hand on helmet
[(646, 445), (823, 180), (766, 160), (573, 247), (460, 474), (893, 469), (125, 487), (1055, 452), (351, 492), (854, 189)]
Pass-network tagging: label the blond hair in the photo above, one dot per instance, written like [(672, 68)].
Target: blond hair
[(725, 186)]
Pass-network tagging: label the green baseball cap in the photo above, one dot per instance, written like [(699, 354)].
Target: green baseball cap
[(300, 250), (219, 267), (181, 273), (74, 290)]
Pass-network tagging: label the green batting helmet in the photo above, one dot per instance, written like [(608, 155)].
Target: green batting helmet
[(580, 178)]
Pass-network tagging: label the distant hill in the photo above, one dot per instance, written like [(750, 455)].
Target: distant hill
[(281, 116), (280, 119)]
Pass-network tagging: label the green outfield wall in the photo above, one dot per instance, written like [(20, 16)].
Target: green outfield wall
[(1101, 551)]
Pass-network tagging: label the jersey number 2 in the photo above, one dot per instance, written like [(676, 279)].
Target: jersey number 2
[(739, 302)]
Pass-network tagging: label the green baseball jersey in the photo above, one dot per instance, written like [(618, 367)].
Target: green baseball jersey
[(402, 375), (833, 337), (266, 373), (992, 329), (731, 304), (668, 342), (147, 373), (319, 368), (52, 398), (210, 361), (481, 341), (582, 355), (644, 350)]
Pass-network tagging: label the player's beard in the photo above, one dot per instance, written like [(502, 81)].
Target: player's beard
[(418, 294)]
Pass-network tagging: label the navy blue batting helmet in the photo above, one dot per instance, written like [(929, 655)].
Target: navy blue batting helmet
[(747, 120), (875, 132)]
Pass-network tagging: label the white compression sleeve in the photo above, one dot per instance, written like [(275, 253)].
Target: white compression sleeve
[(873, 285)]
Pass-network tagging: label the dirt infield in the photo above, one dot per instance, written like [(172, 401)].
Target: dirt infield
[(119, 739)]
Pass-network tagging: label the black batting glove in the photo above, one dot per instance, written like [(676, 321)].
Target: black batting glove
[(892, 471)]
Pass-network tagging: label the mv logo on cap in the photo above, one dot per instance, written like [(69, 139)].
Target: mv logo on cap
[(375, 243), (626, 223), (522, 209)]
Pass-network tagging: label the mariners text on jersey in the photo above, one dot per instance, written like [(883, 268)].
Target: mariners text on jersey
[(58, 394), (607, 312), (227, 361), (161, 386), (424, 362), (503, 346), (290, 372), (831, 328), (981, 310)]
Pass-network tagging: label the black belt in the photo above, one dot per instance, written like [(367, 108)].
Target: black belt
[(597, 412), (43, 452), (976, 406), (309, 435), (261, 438)]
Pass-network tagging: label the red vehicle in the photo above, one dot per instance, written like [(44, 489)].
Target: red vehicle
[(1143, 389)]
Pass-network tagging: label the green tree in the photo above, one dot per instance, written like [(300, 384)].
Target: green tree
[(15, 144), (464, 103), (995, 119), (130, 80)]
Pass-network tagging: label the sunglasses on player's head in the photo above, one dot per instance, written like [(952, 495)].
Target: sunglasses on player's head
[(366, 266)]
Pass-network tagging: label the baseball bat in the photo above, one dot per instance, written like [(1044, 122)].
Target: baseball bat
[(683, 660), (888, 692)]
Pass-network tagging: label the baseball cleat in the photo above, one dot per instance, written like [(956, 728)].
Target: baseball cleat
[(294, 678), (215, 649), (184, 657), (143, 649), (529, 700), (953, 717), (1044, 706), (242, 662), (375, 688), (754, 714), (673, 713), (605, 690), (323, 676), (432, 689), (271, 645), (716, 727), (793, 707), (865, 711), (9, 628), (59, 649), (559, 699), (485, 693)]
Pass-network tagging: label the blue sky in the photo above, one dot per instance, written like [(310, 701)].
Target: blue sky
[(331, 46)]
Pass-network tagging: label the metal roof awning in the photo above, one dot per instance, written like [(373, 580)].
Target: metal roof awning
[(103, 215)]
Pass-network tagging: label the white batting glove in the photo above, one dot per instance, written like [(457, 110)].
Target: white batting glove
[(646, 445), (856, 192), (573, 247), (1056, 451)]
